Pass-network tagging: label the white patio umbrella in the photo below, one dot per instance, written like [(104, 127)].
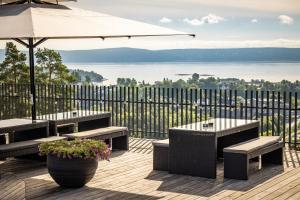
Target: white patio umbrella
[(33, 23)]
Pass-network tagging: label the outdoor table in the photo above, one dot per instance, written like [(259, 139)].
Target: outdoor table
[(85, 120), (194, 149), (24, 129)]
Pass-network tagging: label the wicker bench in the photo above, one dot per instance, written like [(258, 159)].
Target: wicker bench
[(116, 136), (23, 148), (236, 157), (161, 155)]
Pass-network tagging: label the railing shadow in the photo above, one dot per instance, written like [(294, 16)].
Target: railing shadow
[(12, 187), (45, 189), (205, 187)]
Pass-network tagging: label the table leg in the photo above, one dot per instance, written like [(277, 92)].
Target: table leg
[(31, 134), (93, 124), (236, 138), (53, 130), (192, 154), (120, 143), (2, 139), (10, 138)]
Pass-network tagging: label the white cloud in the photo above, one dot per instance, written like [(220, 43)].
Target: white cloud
[(254, 20), (209, 19), (165, 20), (193, 22), (285, 19)]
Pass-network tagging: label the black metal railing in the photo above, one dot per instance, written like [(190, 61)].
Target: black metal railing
[(150, 111)]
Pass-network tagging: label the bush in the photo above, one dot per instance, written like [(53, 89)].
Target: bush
[(85, 149)]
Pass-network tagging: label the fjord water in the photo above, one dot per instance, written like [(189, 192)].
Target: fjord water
[(151, 72)]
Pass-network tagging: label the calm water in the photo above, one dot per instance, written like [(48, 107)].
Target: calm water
[(150, 72)]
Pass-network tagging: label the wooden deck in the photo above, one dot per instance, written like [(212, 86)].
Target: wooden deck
[(129, 175)]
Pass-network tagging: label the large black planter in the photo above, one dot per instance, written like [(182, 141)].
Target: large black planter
[(71, 172)]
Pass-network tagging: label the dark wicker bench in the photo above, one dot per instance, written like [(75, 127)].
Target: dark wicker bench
[(116, 136), (24, 147), (236, 157), (161, 155)]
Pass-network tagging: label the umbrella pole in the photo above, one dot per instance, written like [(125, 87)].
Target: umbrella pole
[(31, 45), (32, 79)]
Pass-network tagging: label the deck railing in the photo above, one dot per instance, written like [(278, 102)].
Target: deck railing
[(150, 111)]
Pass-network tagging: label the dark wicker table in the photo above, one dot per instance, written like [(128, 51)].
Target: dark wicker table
[(24, 129), (85, 119), (194, 149)]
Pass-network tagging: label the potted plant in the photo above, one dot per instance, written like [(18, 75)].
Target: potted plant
[(73, 163)]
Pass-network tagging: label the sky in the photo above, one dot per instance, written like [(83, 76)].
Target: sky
[(216, 23)]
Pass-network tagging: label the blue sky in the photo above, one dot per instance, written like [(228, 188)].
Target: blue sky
[(217, 23)]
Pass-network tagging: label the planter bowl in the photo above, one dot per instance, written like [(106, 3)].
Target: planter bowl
[(71, 173)]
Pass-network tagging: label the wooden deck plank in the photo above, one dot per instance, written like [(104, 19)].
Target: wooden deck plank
[(129, 176)]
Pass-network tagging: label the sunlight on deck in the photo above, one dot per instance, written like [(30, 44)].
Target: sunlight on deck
[(129, 175)]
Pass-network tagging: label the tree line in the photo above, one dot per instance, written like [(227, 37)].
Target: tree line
[(49, 68)]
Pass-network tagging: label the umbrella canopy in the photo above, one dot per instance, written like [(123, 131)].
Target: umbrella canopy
[(36, 1), (32, 23), (58, 21)]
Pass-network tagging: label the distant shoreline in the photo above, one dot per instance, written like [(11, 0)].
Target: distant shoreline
[(183, 62), (203, 75), (151, 72)]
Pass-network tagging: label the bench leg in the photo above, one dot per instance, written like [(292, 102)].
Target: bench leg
[(236, 166), (120, 143), (274, 157)]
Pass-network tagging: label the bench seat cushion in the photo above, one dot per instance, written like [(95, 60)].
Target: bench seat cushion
[(252, 145), (161, 143), (27, 144), (96, 132)]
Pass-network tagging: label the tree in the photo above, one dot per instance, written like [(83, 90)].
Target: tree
[(121, 81), (88, 79), (14, 69), (76, 76), (195, 76), (50, 69)]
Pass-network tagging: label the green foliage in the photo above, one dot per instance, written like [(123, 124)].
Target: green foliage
[(77, 76), (14, 69), (196, 81), (85, 149), (50, 69), (127, 82), (88, 79), (80, 76)]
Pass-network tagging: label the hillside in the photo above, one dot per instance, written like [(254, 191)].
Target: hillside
[(184, 55), (120, 55)]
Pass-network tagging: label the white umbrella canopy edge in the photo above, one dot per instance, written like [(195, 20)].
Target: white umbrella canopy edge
[(61, 22), (4, 2), (36, 23)]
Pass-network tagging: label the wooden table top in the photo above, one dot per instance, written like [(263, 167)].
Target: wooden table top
[(20, 124), (219, 126), (76, 115)]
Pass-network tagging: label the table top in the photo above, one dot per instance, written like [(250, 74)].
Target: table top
[(75, 115), (20, 124), (220, 126)]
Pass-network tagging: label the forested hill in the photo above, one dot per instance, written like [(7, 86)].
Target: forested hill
[(184, 55), (181, 55)]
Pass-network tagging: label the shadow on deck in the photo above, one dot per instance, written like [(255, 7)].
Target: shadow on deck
[(129, 175)]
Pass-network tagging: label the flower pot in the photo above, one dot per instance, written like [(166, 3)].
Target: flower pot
[(71, 173)]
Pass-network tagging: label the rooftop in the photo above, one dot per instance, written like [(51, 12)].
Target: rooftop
[(129, 175)]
